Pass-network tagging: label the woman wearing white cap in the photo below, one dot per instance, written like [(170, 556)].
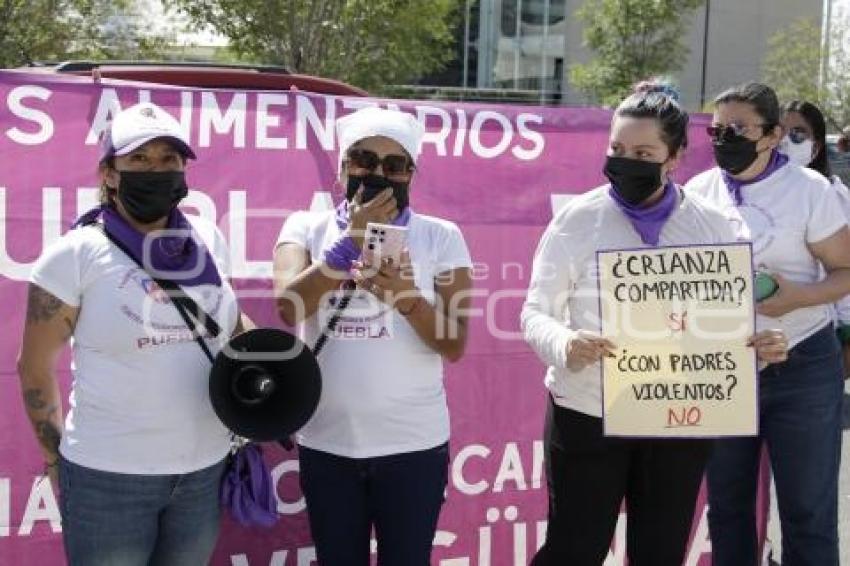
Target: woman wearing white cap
[(140, 456), (375, 454)]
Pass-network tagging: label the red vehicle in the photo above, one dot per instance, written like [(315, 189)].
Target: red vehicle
[(205, 75)]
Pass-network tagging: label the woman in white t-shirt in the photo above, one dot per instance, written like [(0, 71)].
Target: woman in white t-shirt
[(375, 453), (588, 473), (140, 456), (805, 145), (798, 230)]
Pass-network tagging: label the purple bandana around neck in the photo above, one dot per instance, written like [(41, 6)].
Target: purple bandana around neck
[(649, 220), (777, 160), (176, 255), (403, 219)]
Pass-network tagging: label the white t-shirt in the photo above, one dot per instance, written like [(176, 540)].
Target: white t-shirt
[(382, 388), (139, 401), (842, 307), (781, 215), (565, 260)]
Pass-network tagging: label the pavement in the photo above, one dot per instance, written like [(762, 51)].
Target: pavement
[(843, 493)]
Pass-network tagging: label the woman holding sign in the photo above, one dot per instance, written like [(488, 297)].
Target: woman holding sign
[(798, 230), (375, 454), (589, 474)]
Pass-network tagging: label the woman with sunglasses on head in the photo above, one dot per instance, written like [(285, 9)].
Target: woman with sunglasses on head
[(375, 454), (805, 145), (797, 227), (588, 474), (141, 454)]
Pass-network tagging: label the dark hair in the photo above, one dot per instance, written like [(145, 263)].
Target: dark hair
[(814, 118), (106, 193), (659, 101), (760, 96)]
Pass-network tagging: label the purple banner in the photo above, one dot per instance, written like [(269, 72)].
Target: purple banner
[(498, 171)]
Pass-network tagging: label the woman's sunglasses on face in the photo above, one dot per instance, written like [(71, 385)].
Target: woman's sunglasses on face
[(393, 165), (718, 132)]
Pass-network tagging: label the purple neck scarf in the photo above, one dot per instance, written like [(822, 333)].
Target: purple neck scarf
[(180, 255), (403, 219), (777, 160), (649, 220)]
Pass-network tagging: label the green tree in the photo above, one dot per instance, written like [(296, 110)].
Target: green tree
[(369, 43), (632, 40), (793, 67), (55, 30)]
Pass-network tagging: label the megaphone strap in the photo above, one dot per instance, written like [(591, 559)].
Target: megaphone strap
[(181, 301), (332, 322)]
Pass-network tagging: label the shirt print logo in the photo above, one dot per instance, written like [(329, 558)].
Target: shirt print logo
[(154, 312), (365, 318), (154, 291)]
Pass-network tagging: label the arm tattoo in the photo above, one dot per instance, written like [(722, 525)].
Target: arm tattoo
[(41, 305), (47, 432), (33, 399)]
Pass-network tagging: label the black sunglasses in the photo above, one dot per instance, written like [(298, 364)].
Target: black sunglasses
[(733, 130), (393, 165)]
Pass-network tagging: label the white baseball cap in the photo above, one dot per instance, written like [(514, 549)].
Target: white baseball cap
[(368, 122), (137, 125)]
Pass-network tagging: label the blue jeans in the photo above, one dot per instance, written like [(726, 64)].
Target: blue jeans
[(111, 519), (400, 495), (800, 403)]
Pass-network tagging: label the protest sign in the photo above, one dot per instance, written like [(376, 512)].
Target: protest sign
[(680, 318)]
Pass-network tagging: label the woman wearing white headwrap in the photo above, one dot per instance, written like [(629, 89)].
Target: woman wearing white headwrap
[(375, 454)]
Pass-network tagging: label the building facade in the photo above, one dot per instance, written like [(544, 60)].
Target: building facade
[(529, 45)]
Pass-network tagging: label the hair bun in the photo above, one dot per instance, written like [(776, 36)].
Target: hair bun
[(661, 86)]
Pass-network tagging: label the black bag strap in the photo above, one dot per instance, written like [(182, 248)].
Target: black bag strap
[(348, 287), (186, 305), (181, 301)]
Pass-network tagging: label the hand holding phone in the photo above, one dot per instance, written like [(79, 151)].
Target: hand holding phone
[(383, 241)]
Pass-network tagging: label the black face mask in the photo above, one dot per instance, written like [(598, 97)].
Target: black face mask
[(374, 184), (735, 154), (148, 196), (633, 179)]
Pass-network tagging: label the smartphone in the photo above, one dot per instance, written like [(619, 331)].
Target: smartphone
[(384, 241), (765, 286)]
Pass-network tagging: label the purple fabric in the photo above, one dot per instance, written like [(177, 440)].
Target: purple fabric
[(649, 220), (777, 160), (174, 256), (342, 254), (247, 489)]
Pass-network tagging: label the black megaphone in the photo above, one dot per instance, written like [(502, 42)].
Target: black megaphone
[(265, 384)]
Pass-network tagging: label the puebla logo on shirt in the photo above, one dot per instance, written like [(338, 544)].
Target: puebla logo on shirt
[(154, 312), (154, 292), (365, 318)]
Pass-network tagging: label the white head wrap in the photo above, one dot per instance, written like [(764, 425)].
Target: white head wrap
[(368, 122)]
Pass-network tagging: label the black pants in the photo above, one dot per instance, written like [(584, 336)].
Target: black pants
[(399, 495), (589, 475)]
